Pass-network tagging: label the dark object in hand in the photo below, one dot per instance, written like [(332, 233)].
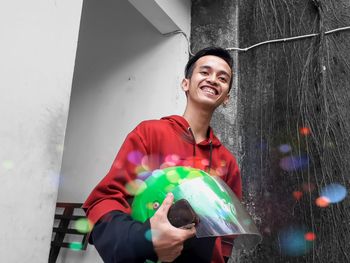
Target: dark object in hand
[(181, 214)]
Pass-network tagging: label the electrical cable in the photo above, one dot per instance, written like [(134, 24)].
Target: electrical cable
[(264, 42), (288, 39)]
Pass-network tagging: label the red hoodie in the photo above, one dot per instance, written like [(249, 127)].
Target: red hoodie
[(158, 144)]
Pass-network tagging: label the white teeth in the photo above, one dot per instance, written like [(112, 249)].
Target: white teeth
[(209, 90)]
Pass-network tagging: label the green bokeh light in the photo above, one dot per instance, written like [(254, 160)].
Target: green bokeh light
[(83, 225), (76, 246)]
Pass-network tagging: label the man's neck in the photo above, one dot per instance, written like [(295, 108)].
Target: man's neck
[(199, 121)]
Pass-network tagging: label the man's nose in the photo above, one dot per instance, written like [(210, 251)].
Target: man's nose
[(212, 79)]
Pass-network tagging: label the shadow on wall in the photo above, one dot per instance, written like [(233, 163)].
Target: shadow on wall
[(121, 72), (112, 35), (106, 30)]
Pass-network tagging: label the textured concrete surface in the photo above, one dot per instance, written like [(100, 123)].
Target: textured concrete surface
[(214, 23), (283, 87)]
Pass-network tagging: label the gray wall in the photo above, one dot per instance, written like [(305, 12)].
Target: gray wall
[(216, 23), (283, 87)]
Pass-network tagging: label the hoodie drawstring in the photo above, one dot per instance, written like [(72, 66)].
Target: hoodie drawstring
[(210, 153), (194, 141)]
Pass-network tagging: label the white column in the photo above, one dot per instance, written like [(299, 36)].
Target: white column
[(37, 52)]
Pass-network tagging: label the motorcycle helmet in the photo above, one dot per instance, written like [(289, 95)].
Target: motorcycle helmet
[(219, 211)]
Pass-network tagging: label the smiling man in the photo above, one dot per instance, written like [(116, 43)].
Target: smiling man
[(186, 140)]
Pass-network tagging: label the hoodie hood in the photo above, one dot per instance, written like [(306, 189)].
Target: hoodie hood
[(182, 127)]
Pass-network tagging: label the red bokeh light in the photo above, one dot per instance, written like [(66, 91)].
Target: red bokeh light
[(309, 236), (297, 195), (304, 131)]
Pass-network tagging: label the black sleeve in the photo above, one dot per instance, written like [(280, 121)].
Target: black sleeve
[(118, 238)]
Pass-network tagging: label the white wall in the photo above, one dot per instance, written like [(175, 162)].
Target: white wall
[(38, 44), (178, 11), (125, 72), (166, 15)]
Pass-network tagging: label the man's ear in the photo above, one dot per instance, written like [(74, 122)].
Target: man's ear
[(225, 102), (185, 84)]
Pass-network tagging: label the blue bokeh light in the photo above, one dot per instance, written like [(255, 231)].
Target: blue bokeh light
[(292, 242), (294, 163), (334, 192)]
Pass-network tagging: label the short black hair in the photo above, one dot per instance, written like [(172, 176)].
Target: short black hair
[(209, 51)]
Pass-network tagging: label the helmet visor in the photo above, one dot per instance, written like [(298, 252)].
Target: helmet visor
[(219, 210)]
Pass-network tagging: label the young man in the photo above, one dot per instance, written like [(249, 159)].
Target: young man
[(175, 140)]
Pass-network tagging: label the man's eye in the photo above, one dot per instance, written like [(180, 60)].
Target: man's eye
[(204, 73), (223, 79)]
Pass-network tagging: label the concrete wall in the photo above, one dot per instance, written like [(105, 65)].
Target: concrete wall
[(285, 87), (216, 23), (125, 72), (38, 45), (291, 125)]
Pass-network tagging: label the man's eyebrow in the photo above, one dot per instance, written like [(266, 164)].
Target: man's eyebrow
[(209, 67)]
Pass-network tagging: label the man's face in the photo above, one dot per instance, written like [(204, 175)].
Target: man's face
[(209, 83)]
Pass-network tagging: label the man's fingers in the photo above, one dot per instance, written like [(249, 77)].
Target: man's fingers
[(168, 201), (191, 232), (188, 226), (188, 232)]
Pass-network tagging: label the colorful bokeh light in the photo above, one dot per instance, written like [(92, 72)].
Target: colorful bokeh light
[(221, 171), (117, 165), (193, 174), (83, 225), (334, 193), (170, 188), (171, 160), (297, 195), (308, 187), (7, 164), (196, 162), (294, 163), (284, 148), (148, 235), (292, 242), (135, 157), (157, 173), (305, 131), (205, 162), (322, 202), (173, 176), (144, 175), (150, 162), (135, 187), (140, 169), (310, 236), (59, 148), (54, 179), (76, 246)]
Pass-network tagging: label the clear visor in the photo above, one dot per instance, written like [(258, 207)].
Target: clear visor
[(219, 211)]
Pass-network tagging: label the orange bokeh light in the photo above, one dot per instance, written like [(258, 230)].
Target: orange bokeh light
[(322, 201), (304, 131)]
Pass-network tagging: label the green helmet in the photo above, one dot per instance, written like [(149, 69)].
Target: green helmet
[(219, 210)]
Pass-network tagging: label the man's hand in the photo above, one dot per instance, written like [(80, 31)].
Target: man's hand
[(167, 239)]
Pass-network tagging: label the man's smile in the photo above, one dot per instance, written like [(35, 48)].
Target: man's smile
[(210, 90)]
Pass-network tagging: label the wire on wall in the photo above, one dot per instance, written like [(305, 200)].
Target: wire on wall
[(264, 42)]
